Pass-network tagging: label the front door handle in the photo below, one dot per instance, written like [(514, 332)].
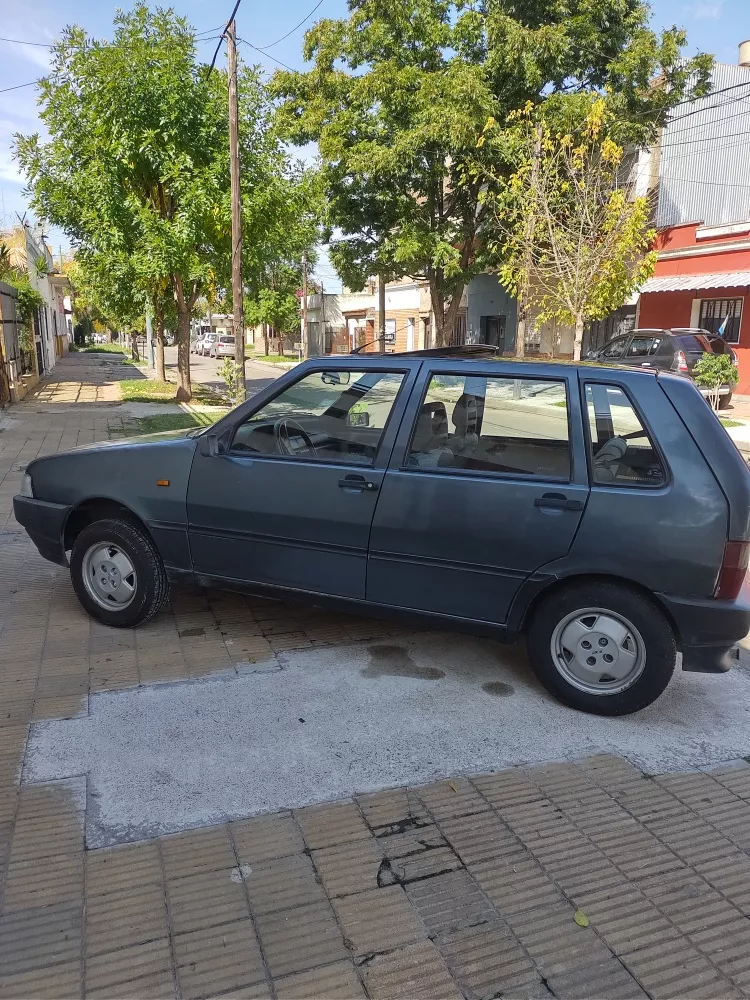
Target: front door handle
[(357, 484), (557, 501)]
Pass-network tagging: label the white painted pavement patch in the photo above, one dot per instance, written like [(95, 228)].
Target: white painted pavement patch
[(337, 721)]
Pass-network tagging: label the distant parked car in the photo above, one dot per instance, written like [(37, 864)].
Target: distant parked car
[(222, 347), (208, 340), (677, 350), (195, 343), (599, 510)]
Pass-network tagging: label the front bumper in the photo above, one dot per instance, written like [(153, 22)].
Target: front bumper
[(44, 523), (707, 629)]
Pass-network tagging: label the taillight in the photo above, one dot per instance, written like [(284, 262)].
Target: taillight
[(733, 570), (682, 365)]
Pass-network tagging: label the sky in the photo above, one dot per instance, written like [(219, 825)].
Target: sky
[(715, 26)]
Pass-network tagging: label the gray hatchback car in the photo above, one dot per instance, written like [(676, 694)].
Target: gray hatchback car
[(603, 512)]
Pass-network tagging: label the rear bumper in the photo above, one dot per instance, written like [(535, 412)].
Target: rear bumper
[(724, 390), (44, 523), (708, 629)]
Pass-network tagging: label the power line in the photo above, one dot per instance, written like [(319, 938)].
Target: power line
[(20, 41), (221, 37), (710, 107), (18, 86), (292, 30), (263, 53)]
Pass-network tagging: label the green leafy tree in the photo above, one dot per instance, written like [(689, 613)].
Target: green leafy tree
[(712, 372), (574, 243), (136, 169), (400, 92)]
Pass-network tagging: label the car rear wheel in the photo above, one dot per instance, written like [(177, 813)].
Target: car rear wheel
[(117, 573), (602, 648)]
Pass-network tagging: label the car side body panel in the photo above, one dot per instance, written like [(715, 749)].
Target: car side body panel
[(669, 539), (126, 473)]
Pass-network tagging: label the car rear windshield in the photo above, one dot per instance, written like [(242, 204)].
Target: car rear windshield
[(227, 340), (693, 345)]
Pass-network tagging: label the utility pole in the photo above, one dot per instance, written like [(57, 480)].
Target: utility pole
[(305, 338), (381, 313), (523, 301), (234, 174)]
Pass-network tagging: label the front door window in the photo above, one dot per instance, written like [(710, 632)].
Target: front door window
[(328, 416)]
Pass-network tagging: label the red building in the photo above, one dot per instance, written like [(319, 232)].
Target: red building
[(702, 277)]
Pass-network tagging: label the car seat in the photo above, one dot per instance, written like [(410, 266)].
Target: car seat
[(428, 446), (465, 418)]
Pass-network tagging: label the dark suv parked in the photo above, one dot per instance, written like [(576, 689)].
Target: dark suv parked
[(603, 511), (676, 350)]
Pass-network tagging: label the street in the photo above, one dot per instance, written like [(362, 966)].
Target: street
[(148, 777), (205, 370)]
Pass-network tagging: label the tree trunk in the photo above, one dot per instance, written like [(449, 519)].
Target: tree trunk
[(578, 340), (159, 347), (265, 339), (445, 316), (184, 390), (134, 347)]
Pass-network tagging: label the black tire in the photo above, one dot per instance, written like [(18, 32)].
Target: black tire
[(151, 583), (628, 603), (724, 401)]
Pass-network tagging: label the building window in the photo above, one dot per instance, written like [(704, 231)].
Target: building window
[(716, 313)]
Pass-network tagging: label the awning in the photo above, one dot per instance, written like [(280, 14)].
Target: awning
[(689, 282)]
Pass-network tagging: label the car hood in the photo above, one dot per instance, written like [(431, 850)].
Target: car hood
[(141, 439)]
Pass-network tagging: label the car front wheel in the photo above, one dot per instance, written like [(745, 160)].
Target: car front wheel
[(603, 648), (724, 401), (117, 573)]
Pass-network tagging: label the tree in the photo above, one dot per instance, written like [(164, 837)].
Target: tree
[(137, 165), (274, 308), (573, 241), (400, 92), (712, 372)]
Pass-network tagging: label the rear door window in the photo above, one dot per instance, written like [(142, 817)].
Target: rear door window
[(622, 451), (643, 346), (488, 424)]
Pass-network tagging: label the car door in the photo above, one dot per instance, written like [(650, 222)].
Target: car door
[(285, 497), (486, 484), (642, 349)]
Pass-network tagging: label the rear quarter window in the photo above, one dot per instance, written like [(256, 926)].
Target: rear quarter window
[(622, 452), (691, 345)]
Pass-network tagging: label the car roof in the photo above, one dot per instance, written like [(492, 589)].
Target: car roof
[(479, 353)]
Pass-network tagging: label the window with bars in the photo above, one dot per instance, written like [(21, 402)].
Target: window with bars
[(716, 313)]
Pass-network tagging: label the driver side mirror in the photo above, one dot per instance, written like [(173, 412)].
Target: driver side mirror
[(591, 355), (211, 445)]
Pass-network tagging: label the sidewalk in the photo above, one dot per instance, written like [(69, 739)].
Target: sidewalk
[(468, 886)]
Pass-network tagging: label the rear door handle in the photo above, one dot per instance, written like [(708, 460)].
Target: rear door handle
[(357, 484), (556, 501)]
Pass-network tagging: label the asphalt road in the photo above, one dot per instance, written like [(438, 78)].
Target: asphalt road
[(205, 370)]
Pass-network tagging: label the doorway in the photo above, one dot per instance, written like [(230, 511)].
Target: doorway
[(492, 329)]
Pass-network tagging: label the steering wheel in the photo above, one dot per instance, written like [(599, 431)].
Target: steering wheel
[(287, 428)]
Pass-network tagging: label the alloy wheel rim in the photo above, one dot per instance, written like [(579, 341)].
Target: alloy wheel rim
[(109, 576), (598, 651)]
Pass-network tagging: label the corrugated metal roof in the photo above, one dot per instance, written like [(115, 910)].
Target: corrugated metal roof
[(704, 175), (687, 282)]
